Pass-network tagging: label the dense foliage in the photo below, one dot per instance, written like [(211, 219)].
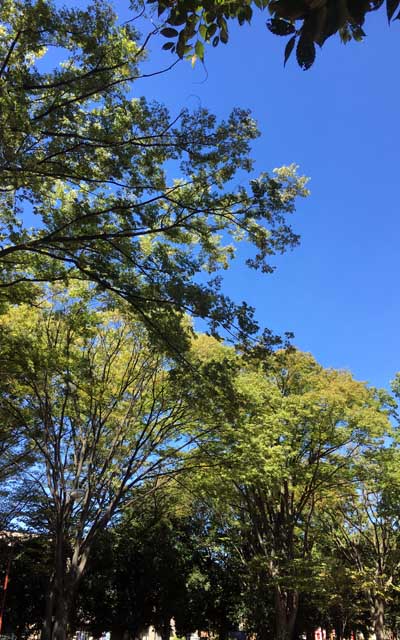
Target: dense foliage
[(262, 495)]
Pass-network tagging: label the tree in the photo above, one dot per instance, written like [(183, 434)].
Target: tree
[(27, 559), (98, 184), (333, 597), (189, 24), (290, 440), (364, 529), (94, 400), (161, 561), (363, 525)]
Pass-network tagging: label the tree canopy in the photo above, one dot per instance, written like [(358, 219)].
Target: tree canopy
[(93, 400), (281, 508), (99, 184), (292, 444)]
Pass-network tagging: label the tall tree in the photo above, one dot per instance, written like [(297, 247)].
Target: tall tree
[(291, 438), (98, 184), (94, 400), (364, 530)]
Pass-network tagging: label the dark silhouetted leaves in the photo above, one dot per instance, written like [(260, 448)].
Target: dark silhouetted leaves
[(357, 33), (280, 27), (211, 30), (305, 52), (177, 19), (289, 48), (357, 10), (314, 21), (168, 32), (391, 6)]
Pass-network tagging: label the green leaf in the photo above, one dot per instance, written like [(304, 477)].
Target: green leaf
[(168, 45), (199, 49), (203, 31)]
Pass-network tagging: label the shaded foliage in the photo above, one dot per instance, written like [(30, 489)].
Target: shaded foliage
[(191, 24)]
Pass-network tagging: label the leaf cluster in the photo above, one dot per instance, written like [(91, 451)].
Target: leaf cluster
[(190, 25)]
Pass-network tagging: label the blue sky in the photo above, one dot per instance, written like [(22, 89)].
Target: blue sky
[(338, 291)]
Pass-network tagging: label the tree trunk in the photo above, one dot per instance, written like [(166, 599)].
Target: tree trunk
[(166, 630), (378, 617), (61, 592), (48, 616), (286, 607), (58, 597), (61, 618)]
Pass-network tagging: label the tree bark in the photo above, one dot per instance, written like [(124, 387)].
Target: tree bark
[(48, 616), (58, 609), (378, 617), (61, 619), (61, 601), (286, 608), (62, 589)]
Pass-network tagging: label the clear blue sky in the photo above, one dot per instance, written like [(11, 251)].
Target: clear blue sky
[(339, 121)]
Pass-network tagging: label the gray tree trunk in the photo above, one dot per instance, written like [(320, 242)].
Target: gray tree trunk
[(378, 617)]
